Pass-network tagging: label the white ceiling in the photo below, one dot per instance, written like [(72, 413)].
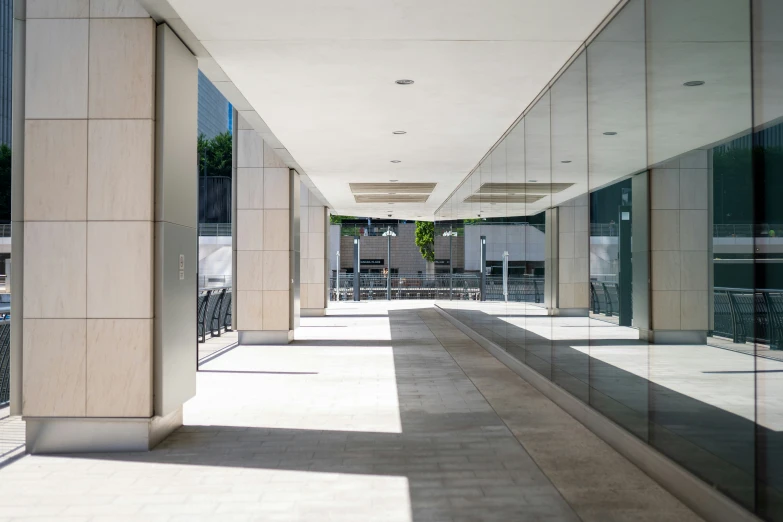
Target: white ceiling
[(321, 75)]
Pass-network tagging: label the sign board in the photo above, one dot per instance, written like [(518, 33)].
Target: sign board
[(378, 262), (442, 262)]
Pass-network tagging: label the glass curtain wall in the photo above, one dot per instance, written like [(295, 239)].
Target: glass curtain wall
[(655, 162)]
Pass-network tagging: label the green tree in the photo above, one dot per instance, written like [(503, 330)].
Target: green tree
[(336, 220), (425, 239), (215, 155)]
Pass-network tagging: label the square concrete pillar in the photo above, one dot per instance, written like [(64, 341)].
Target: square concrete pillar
[(314, 223), (102, 370), (266, 246), (680, 246), (566, 259)]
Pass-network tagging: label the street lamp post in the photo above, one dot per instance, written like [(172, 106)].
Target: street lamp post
[(337, 283), (389, 234), (450, 232), (505, 276)]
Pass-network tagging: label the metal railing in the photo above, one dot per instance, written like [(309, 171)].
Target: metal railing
[(5, 230), (214, 229), (5, 362), (759, 230), (213, 281), (437, 286), (605, 298), (365, 230), (604, 229), (213, 312), (740, 314), (744, 315)]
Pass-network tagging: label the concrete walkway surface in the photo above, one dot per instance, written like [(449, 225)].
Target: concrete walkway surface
[(378, 411)]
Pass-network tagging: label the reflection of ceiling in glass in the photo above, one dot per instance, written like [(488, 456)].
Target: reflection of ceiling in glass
[(497, 198), (523, 188), (391, 198)]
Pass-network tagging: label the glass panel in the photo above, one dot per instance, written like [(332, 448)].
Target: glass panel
[(768, 167), (519, 238), (538, 170), (569, 177), (617, 149), (701, 400)]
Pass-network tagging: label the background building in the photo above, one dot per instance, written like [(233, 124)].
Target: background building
[(214, 111), (6, 42)]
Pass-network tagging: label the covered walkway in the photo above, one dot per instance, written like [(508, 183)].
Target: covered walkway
[(380, 411)]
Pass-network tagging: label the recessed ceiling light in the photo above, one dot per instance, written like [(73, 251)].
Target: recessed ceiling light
[(393, 180), (399, 132), (693, 83), (404, 82), (396, 161), (609, 133), (566, 161), (533, 181)]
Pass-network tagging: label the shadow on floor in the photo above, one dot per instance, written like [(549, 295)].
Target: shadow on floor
[(716, 445), (459, 459)]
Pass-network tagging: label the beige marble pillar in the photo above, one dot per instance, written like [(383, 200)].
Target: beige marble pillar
[(567, 255), (267, 242), (89, 187), (314, 223), (680, 241)]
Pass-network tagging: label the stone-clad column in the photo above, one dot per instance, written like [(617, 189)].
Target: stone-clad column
[(567, 255), (89, 216), (266, 246), (680, 241), (314, 225)]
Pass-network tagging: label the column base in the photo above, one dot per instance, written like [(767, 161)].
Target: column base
[(568, 312), (674, 336), (313, 312), (98, 434), (265, 337)]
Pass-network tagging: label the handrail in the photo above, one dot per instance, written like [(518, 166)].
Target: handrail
[(746, 231), (214, 229), (740, 314), (437, 286), (213, 312)]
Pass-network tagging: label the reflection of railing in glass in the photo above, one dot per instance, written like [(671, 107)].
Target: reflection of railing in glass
[(740, 314), (744, 315), (760, 230)]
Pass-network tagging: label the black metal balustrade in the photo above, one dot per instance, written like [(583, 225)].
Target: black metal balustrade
[(438, 286), (605, 298), (739, 314), (5, 362), (213, 312), (743, 315)]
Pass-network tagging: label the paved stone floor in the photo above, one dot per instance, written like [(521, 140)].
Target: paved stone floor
[(380, 411), (215, 345)]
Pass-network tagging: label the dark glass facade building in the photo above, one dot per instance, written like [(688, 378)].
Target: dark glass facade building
[(214, 111), (6, 55)]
